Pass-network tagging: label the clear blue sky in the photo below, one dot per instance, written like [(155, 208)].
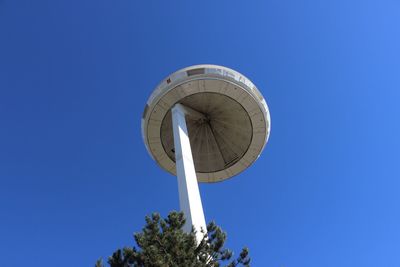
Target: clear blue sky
[(76, 180)]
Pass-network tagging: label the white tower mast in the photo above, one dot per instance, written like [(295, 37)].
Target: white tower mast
[(189, 195)]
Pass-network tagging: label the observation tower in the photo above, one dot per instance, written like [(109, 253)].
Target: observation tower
[(204, 123)]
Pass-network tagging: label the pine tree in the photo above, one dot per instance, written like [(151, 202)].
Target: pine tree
[(163, 243)]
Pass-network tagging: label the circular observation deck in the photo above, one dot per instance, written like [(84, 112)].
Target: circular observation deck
[(227, 139)]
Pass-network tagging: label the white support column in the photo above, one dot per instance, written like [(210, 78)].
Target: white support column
[(189, 195)]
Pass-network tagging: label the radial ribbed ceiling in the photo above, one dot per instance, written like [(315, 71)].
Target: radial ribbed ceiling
[(219, 140)]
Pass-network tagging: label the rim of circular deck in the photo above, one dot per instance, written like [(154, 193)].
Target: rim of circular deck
[(205, 72)]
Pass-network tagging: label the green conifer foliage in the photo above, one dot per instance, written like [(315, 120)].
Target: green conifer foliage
[(163, 243)]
